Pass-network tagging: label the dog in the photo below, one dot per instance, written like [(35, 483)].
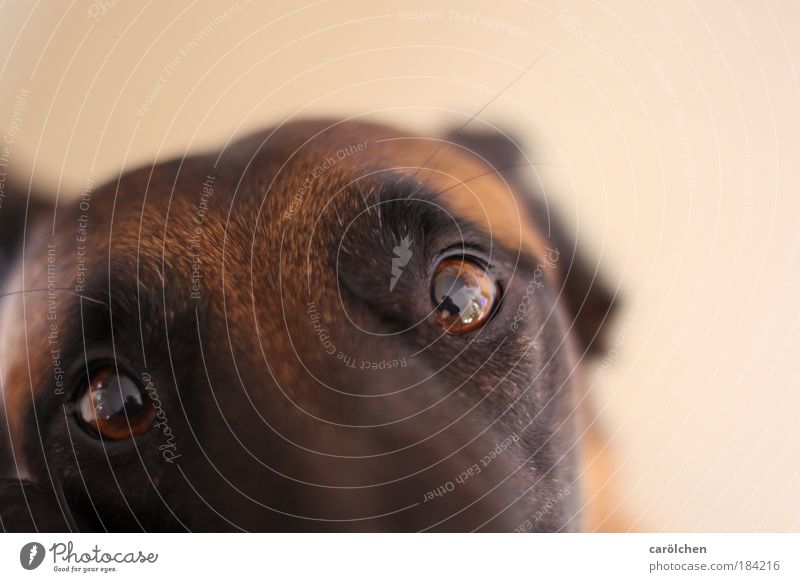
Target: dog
[(327, 326)]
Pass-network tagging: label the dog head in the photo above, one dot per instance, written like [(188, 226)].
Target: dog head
[(327, 326)]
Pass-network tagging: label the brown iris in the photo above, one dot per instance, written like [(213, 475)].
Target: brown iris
[(115, 406), (464, 294)]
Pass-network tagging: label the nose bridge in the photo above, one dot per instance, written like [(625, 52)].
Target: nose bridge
[(365, 436), (310, 370), (430, 467), (409, 474)]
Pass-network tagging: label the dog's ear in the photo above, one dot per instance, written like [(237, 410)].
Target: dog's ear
[(588, 299)]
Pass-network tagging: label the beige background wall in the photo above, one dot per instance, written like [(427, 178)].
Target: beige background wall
[(669, 137)]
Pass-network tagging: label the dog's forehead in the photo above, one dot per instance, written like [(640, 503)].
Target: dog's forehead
[(313, 161)]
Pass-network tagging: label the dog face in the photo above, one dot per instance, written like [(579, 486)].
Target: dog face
[(328, 326)]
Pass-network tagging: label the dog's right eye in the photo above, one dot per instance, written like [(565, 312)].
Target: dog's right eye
[(115, 406)]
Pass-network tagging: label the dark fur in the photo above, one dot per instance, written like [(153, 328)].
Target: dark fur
[(273, 433)]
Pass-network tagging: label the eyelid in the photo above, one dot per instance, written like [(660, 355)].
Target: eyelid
[(466, 250)]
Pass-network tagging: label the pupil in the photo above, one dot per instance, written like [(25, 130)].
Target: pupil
[(457, 298), (122, 397)]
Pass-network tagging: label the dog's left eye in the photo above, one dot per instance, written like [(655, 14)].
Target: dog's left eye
[(464, 294), (115, 406)]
